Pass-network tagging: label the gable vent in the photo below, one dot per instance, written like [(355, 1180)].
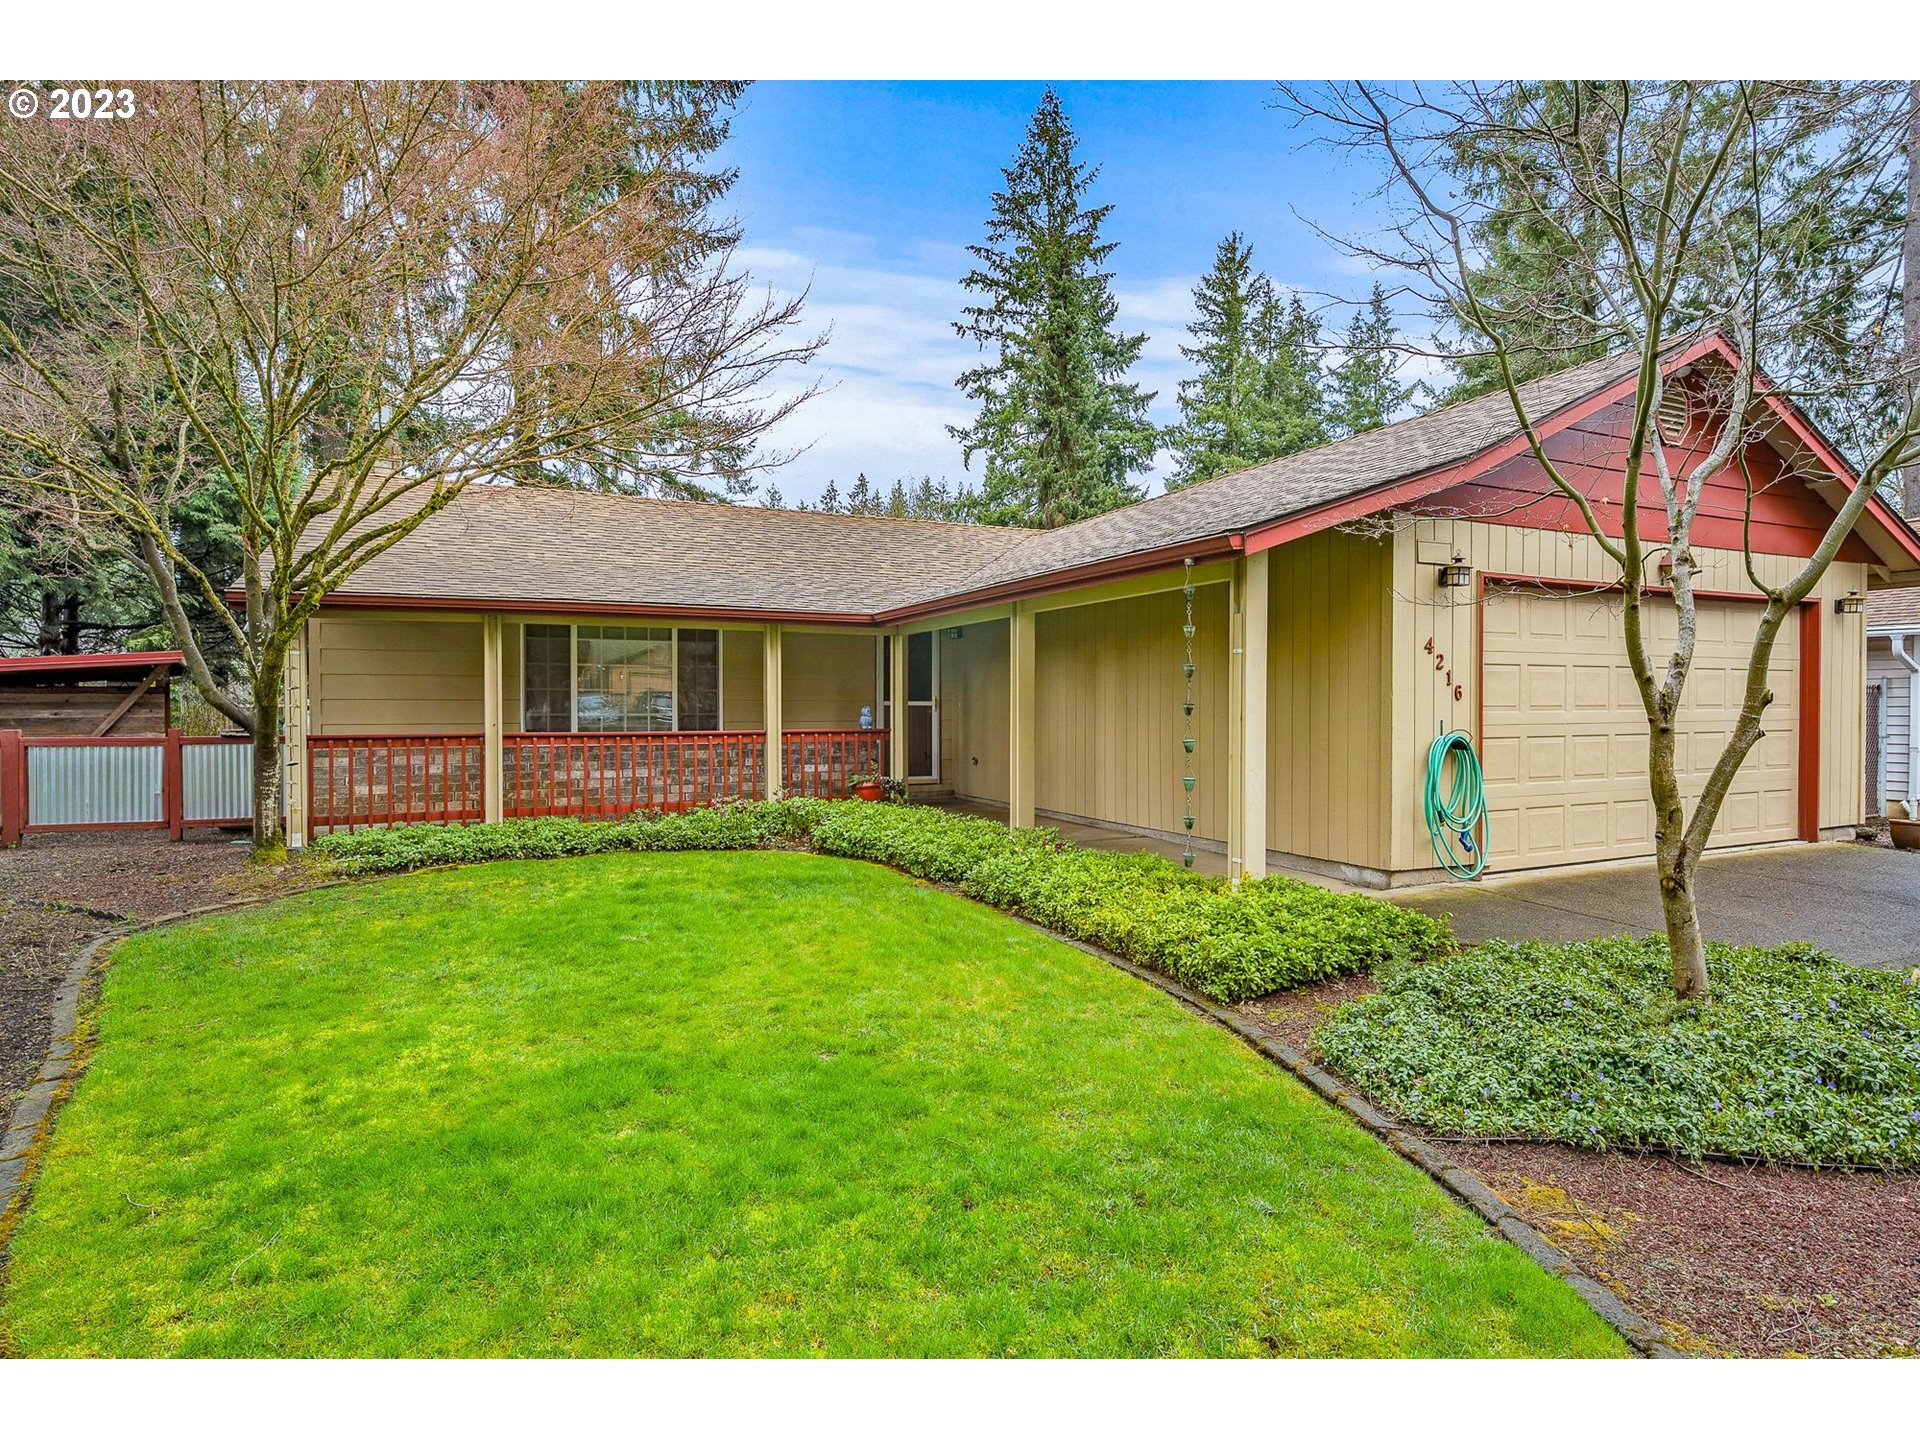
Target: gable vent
[(1671, 419)]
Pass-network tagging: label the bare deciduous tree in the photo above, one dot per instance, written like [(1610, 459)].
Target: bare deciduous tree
[(1671, 211), (346, 302)]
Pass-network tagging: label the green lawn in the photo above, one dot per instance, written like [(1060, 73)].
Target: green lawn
[(715, 1104)]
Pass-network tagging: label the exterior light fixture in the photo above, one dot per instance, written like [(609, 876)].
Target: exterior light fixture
[(1456, 575), (1851, 603)]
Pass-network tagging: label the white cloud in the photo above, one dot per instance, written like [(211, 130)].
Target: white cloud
[(889, 368)]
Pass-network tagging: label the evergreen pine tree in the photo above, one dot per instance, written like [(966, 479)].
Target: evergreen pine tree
[(1367, 392), (1061, 427), (1258, 391), (1292, 384), (830, 499)]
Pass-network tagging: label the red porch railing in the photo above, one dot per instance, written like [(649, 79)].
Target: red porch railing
[(362, 780), (606, 776), (824, 762)]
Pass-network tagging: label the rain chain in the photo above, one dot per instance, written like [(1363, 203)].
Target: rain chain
[(1187, 741)]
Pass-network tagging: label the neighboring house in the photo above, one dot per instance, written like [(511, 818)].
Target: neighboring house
[(1893, 720), (547, 651)]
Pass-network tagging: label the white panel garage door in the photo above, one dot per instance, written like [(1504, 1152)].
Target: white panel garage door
[(1565, 738)]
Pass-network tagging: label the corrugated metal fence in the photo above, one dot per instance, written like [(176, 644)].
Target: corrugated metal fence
[(163, 782)]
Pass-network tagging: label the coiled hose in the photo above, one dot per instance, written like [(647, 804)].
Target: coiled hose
[(1453, 819)]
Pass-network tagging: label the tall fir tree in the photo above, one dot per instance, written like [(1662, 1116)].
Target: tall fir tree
[(1367, 392), (1258, 391), (1062, 429)]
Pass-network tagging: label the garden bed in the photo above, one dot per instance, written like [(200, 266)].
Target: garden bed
[(1733, 1258), (1797, 1057)]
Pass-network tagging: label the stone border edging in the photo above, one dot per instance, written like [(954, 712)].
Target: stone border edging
[(1646, 1337), (35, 1111), (33, 1117)]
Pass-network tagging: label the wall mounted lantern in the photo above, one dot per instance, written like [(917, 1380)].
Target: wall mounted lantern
[(1851, 603), (1457, 574)]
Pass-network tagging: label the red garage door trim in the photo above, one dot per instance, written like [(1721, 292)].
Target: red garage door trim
[(1809, 699)]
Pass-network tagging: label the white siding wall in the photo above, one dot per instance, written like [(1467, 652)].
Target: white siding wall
[(1886, 667)]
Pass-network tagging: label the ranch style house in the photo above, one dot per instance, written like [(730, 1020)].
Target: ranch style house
[(543, 651)]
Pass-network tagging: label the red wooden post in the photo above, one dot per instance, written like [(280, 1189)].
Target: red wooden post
[(172, 782), (13, 787)]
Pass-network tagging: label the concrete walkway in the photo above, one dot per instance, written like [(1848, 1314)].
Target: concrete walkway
[(1859, 902)]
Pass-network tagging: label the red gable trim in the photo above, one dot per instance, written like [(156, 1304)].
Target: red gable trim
[(129, 660), (1418, 487)]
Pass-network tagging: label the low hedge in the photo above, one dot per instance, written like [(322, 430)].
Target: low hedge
[(410, 847), (1229, 943), (1798, 1056)]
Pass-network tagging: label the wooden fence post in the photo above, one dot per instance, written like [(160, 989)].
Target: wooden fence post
[(172, 784), (13, 787)]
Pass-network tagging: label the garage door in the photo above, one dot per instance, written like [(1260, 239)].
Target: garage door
[(1564, 741)]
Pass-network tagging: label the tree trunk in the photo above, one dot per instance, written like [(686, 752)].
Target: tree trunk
[(1674, 860), (269, 825)]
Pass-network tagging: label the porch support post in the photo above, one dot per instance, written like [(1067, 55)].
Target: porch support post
[(493, 696), (293, 749), (1247, 724), (1020, 717), (897, 706), (776, 771)]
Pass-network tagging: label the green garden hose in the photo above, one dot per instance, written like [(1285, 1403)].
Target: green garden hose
[(1452, 821)]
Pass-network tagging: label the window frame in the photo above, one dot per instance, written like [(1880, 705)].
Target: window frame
[(573, 676)]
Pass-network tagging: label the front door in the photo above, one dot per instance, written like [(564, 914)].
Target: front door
[(922, 734)]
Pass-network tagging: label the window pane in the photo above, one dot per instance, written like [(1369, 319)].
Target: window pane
[(547, 659), (699, 679), (624, 678), (920, 666)]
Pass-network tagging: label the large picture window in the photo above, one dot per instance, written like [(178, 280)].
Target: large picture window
[(620, 678)]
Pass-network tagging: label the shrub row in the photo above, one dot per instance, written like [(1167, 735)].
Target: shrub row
[(1229, 943), (1798, 1056)]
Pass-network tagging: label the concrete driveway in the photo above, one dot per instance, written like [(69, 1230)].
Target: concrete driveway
[(1858, 902)]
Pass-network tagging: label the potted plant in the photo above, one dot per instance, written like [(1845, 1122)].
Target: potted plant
[(868, 787)]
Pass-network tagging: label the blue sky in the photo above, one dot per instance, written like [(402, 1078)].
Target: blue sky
[(870, 192)]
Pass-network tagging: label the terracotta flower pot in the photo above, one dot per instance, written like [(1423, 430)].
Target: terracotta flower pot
[(1906, 834), (870, 790)]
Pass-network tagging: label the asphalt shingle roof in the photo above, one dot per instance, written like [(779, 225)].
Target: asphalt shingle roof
[(1894, 609), (537, 547)]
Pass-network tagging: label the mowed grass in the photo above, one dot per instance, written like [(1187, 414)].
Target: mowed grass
[(745, 1104)]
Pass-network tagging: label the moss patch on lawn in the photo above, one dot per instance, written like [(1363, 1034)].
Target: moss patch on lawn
[(715, 1104)]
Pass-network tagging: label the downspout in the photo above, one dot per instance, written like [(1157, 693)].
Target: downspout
[(1898, 644)]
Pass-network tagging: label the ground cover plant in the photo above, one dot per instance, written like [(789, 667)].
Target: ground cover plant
[(1798, 1056), (714, 1104), (1230, 943)]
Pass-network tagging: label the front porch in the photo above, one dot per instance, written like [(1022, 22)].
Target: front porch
[(356, 781)]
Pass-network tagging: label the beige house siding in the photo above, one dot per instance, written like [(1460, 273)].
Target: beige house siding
[(1423, 705), (1108, 718), (828, 677), (743, 680), (1328, 687), (394, 676), (973, 710)]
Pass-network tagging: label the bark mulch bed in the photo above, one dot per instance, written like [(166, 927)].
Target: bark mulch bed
[(1732, 1259), (59, 891)]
